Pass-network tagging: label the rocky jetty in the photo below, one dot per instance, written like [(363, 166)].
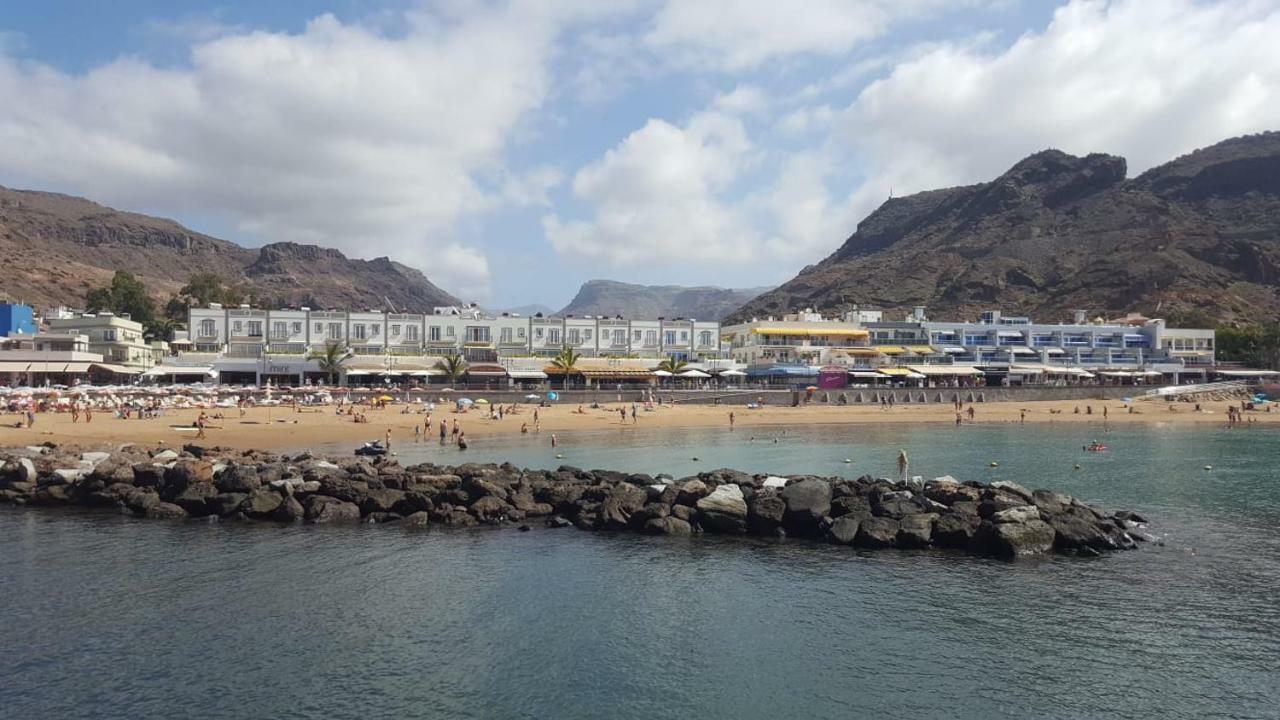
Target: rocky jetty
[(1001, 519)]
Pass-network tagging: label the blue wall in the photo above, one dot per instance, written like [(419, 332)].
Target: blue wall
[(16, 319)]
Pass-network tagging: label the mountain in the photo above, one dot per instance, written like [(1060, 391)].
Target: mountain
[(1196, 237), (609, 297), (57, 247), (528, 310)]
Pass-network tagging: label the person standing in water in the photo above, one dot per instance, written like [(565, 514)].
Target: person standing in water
[(903, 465), (731, 419), (444, 431), (387, 440)]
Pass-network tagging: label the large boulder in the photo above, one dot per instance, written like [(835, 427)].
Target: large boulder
[(225, 504), (381, 501), (195, 498), (955, 530), (916, 531), (261, 503), (691, 491), (1075, 530), (764, 513), (289, 510), (667, 526), (854, 505), (326, 509), (164, 511), (1012, 539), (844, 529), (725, 500), (185, 473), (877, 532), (239, 479), (413, 502), (1014, 488), (146, 474), (491, 509), (139, 499), (808, 502)]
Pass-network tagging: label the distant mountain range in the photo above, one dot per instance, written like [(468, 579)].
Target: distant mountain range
[(1199, 236), (609, 298), (57, 247)]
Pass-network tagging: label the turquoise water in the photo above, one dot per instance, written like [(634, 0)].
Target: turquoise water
[(108, 616)]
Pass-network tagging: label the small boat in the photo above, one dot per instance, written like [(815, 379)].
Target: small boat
[(1095, 447), (374, 448)]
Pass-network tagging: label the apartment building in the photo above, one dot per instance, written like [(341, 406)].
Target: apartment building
[(117, 338)]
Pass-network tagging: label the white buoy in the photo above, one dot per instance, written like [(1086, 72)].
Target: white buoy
[(995, 464), (559, 455), (1208, 467), (848, 460)]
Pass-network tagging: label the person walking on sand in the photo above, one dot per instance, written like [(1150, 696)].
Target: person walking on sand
[(200, 426), (903, 465), (387, 440), (88, 414), (1022, 416)]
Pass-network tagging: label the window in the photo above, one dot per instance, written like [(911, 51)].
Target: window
[(109, 335), (575, 337), (619, 337), (395, 331), (684, 336), (669, 337), (504, 335), (477, 334), (255, 328), (237, 328), (586, 334), (433, 333), (279, 330), (208, 328), (375, 330), (319, 328), (704, 338), (650, 337), (520, 333), (411, 333), (553, 336), (296, 328), (636, 336), (357, 331), (537, 333), (449, 332), (335, 331)]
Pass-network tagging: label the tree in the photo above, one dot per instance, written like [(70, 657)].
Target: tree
[(162, 328), (566, 361), (453, 365), (672, 366), (125, 294), (331, 359), (202, 288)]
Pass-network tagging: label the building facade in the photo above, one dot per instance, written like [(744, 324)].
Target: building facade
[(117, 338)]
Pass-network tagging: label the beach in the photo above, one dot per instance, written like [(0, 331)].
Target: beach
[(283, 428)]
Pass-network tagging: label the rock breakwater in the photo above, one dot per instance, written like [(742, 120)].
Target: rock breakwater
[(1002, 519)]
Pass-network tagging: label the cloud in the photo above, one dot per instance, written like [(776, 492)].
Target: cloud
[(739, 35), (374, 143), (660, 197), (1148, 79)]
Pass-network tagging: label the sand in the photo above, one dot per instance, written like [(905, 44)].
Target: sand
[(282, 428)]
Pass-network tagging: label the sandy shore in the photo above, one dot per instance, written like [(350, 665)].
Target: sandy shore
[(283, 429)]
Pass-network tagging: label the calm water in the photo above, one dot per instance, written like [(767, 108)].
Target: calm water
[(106, 616)]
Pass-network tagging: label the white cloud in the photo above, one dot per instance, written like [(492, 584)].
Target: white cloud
[(1147, 79), (660, 197), (738, 35), (370, 142)]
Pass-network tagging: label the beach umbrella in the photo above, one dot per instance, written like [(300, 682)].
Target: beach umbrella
[(482, 401), (732, 373), (693, 374), (662, 373), (466, 401), (386, 398), (532, 396)]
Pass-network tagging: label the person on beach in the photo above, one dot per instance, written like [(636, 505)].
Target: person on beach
[(417, 433), (958, 419), (462, 441), (554, 442), (200, 426), (731, 420), (903, 465), (1104, 412), (31, 417), (88, 414), (1022, 416), (633, 413), (524, 428), (970, 413), (455, 427), (387, 439)]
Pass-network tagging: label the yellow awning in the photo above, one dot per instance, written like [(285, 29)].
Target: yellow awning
[(826, 332), (859, 351), (896, 371), (921, 349), (890, 350)]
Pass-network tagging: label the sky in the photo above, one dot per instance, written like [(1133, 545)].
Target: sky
[(513, 149)]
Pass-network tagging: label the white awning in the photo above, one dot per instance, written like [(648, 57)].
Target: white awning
[(14, 366), (357, 373), (945, 370), (864, 374), (693, 374), (177, 370), (1247, 373), (1008, 333), (954, 350), (527, 374), (732, 373)]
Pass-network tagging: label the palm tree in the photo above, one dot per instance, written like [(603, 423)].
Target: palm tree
[(566, 362), (331, 359), (162, 328), (675, 367), (453, 366)]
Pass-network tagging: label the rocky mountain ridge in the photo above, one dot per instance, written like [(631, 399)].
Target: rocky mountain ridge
[(1198, 235), (610, 297), (58, 247)]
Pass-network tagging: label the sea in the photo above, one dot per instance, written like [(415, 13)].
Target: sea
[(106, 616)]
